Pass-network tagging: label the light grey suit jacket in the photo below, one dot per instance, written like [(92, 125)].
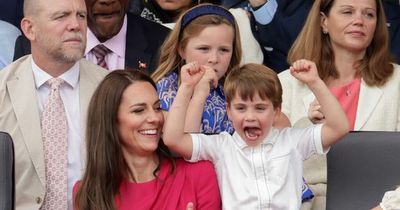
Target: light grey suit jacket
[(19, 116)]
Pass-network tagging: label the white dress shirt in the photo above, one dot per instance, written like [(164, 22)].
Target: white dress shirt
[(267, 176), (69, 92)]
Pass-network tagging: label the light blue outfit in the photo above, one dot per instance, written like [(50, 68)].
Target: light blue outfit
[(8, 35), (214, 118), (266, 12)]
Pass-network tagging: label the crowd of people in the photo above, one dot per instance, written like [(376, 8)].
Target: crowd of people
[(118, 104)]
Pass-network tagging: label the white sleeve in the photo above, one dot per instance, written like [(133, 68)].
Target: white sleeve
[(206, 147), (309, 140), (391, 200)]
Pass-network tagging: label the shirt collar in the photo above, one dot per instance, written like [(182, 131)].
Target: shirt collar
[(114, 44), (71, 76)]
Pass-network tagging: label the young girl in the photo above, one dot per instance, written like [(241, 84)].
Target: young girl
[(206, 34)]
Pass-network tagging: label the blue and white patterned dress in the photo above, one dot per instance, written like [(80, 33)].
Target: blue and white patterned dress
[(214, 118)]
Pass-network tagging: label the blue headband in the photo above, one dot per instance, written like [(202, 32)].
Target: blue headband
[(207, 9)]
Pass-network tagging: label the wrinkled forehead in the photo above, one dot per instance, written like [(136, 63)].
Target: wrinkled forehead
[(60, 6)]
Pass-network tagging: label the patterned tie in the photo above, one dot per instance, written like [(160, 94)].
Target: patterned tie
[(55, 144), (100, 51)]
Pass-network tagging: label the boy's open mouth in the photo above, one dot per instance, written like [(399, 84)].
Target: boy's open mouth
[(252, 133)]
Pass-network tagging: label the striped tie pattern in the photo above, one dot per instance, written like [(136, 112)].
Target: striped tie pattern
[(55, 144), (100, 52)]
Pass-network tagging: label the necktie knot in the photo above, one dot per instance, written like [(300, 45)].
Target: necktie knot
[(55, 83), (100, 52)]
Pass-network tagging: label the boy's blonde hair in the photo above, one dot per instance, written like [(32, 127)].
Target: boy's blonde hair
[(251, 79)]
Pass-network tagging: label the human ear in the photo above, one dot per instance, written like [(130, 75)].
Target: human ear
[(324, 26), (228, 110), (181, 52), (28, 29), (280, 119), (277, 111)]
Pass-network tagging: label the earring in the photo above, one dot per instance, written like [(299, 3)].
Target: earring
[(324, 31)]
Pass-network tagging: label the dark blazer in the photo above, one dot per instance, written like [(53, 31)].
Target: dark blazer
[(392, 11), (277, 37), (143, 41), (12, 11)]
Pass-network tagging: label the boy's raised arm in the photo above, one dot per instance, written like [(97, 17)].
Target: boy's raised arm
[(174, 136), (336, 124)]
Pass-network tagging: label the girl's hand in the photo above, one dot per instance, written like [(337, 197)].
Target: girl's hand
[(314, 113), (208, 81), (191, 73), (304, 70)]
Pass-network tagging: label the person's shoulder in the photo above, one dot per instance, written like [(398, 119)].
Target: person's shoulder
[(286, 79), (91, 73), (170, 79), (285, 74), (93, 69), (305, 126), (396, 68), (148, 25), (13, 68), (76, 187), (395, 77), (201, 167), (8, 29)]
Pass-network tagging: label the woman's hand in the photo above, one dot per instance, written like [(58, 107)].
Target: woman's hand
[(314, 113), (377, 208), (189, 206)]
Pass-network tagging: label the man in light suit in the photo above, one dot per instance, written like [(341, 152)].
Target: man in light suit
[(133, 41), (57, 33)]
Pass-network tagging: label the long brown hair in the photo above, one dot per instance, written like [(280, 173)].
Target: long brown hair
[(106, 167), (170, 60), (375, 68)]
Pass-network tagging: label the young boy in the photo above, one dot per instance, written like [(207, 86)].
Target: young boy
[(258, 167)]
